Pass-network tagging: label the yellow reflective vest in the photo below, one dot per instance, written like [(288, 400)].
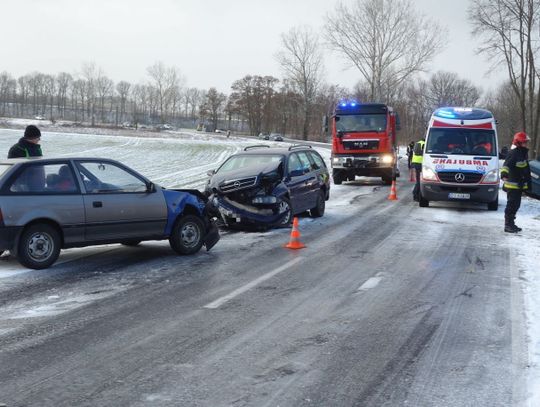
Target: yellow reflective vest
[(417, 159)]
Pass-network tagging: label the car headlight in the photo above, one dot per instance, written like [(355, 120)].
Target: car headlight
[(264, 200), (387, 159), (428, 174), (534, 175), (338, 160), (491, 177)]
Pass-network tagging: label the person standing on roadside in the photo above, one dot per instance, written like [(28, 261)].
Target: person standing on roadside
[(28, 145), (410, 148), (416, 162), (516, 175)]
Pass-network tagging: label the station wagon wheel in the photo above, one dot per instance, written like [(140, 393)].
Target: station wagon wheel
[(39, 246), (285, 207), (318, 210), (187, 236)]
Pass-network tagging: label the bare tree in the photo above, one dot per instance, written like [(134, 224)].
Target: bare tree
[(447, 89), (213, 105), (388, 41), (123, 88), (165, 81), (104, 87), (301, 60), (63, 80), (509, 30)]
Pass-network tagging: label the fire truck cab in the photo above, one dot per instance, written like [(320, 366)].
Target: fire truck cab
[(364, 141)]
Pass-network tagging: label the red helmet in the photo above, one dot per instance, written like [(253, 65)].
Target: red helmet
[(520, 138)]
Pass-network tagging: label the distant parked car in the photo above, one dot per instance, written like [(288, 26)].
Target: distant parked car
[(276, 137), (265, 187), (56, 203), (264, 136), (164, 126), (39, 118)]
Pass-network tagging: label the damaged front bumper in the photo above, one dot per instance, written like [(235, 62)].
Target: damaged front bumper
[(232, 212)]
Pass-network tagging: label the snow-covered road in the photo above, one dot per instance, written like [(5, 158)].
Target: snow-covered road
[(389, 304)]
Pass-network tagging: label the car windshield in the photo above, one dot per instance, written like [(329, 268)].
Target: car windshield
[(360, 123), (461, 141), (242, 161), (4, 168)]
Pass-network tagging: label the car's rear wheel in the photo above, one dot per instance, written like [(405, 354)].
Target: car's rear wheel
[(285, 208), (39, 246), (187, 235), (318, 210), (131, 242)]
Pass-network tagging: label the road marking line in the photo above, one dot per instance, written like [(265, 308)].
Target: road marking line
[(370, 283), (220, 301)]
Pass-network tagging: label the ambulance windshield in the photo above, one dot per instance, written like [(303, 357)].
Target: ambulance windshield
[(461, 141)]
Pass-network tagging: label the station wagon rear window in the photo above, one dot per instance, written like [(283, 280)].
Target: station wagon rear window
[(4, 168)]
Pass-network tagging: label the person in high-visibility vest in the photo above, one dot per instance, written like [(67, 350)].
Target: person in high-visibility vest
[(28, 145), (416, 162), (516, 175)]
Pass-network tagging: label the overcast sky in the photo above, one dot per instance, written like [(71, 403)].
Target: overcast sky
[(212, 42)]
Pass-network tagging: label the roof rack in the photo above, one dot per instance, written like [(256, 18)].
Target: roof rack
[(256, 146), (299, 146)]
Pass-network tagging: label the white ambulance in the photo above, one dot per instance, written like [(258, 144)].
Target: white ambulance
[(460, 161)]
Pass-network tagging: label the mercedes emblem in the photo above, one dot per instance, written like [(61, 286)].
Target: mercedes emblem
[(460, 177)]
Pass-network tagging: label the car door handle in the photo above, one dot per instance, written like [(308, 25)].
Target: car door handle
[(97, 204)]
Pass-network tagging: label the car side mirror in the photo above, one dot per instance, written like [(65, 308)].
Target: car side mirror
[(211, 172), (150, 187), (296, 173)]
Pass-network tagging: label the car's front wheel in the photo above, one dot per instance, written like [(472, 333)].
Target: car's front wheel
[(39, 246), (187, 236), (285, 209), (318, 210)]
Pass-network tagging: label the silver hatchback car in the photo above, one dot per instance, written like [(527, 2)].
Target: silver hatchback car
[(47, 204)]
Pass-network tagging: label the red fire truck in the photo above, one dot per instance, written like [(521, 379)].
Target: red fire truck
[(364, 141)]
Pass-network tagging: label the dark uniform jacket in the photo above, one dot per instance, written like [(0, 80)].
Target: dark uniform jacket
[(515, 171), (24, 148)]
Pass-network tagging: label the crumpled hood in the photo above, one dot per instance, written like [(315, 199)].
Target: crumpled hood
[(256, 170)]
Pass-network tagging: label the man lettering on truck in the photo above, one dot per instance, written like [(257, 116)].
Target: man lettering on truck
[(516, 175), (416, 162)]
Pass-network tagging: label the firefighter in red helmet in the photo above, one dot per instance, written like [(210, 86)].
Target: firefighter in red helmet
[(516, 175)]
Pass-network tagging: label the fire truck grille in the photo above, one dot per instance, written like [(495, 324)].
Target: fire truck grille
[(460, 177), (237, 184), (361, 144)]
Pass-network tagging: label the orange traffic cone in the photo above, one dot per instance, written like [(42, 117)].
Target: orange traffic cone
[(295, 243), (412, 175), (393, 193)]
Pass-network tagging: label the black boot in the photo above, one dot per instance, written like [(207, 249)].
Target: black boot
[(518, 228), (511, 228)]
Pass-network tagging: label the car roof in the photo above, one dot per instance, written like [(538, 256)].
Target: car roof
[(273, 150)]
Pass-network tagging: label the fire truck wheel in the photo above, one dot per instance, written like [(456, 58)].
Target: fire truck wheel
[(338, 179)]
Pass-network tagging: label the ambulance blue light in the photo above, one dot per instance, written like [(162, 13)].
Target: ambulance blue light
[(446, 114)]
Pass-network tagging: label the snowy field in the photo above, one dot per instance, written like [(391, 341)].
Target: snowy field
[(182, 159)]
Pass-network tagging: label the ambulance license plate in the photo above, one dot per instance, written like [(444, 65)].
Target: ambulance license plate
[(455, 195)]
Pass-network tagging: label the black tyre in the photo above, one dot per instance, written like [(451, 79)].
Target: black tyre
[(187, 236), (285, 207), (424, 203), (39, 246), (338, 177), (493, 206), (130, 243), (318, 210)]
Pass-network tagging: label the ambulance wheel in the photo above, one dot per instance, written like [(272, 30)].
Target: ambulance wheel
[(493, 206)]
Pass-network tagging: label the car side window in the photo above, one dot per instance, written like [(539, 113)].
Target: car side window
[(318, 161), (294, 164), (54, 178), (304, 159), (105, 177)]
